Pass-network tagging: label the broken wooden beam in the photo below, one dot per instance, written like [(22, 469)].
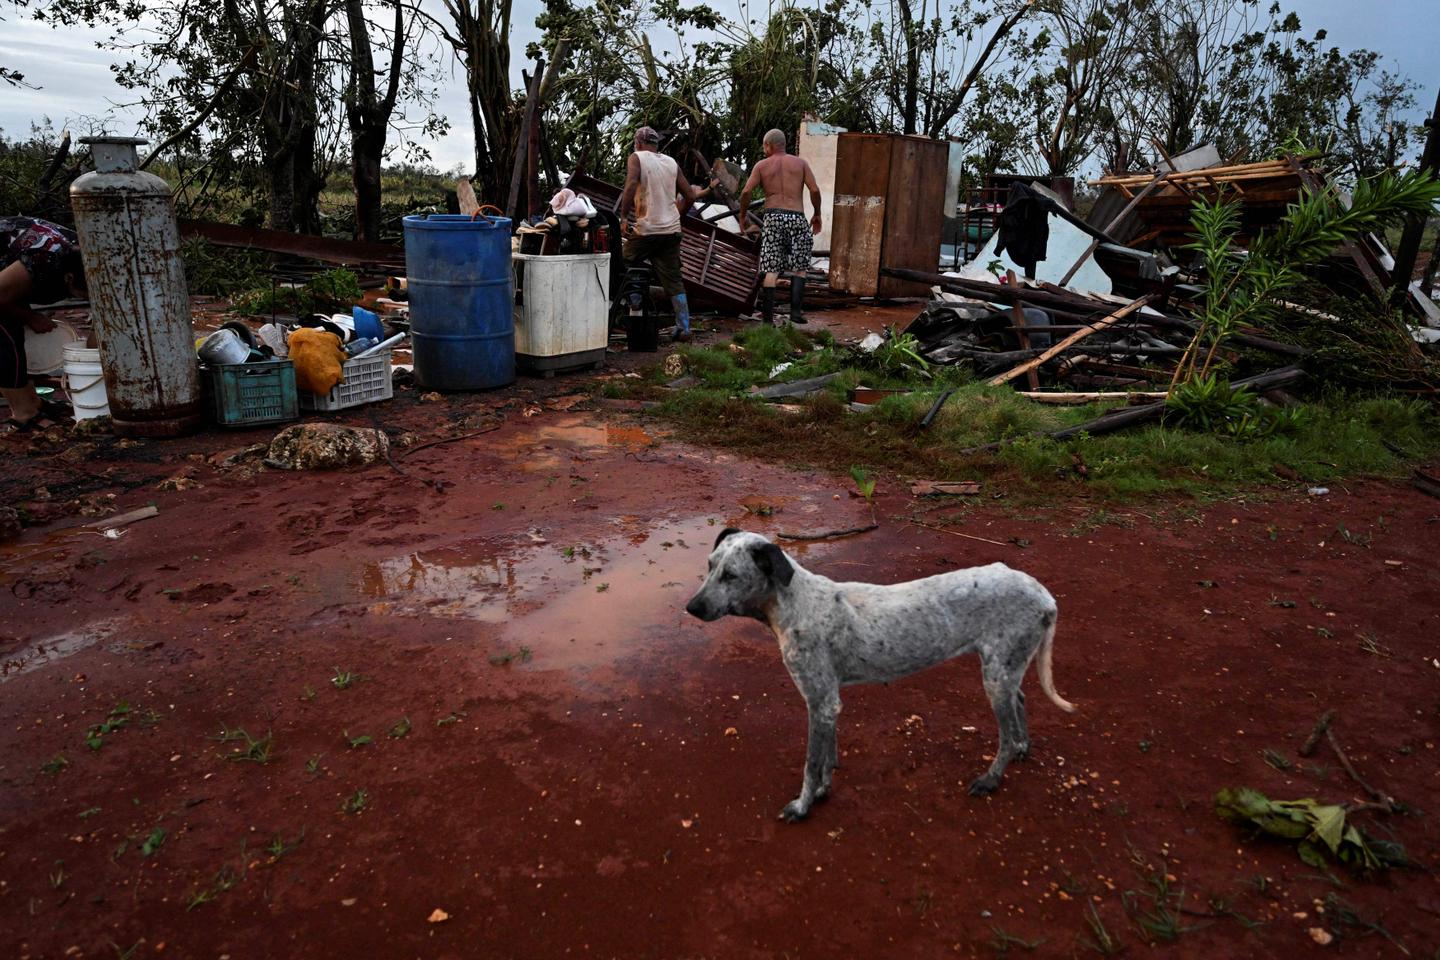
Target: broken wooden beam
[(1060, 347)]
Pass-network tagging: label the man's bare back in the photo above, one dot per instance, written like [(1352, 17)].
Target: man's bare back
[(784, 178)]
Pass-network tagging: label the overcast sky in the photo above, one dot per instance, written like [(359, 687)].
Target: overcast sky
[(76, 86)]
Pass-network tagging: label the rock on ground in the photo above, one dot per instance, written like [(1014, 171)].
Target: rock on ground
[(325, 446)]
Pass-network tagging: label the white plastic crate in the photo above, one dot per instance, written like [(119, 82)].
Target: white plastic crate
[(367, 380)]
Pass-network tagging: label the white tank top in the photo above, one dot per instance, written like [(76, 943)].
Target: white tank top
[(655, 211)]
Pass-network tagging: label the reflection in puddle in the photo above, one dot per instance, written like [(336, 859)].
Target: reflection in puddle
[(57, 647), (552, 445), (19, 560), (573, 604)]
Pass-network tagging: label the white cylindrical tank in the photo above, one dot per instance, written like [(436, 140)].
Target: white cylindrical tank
[(140, 303)]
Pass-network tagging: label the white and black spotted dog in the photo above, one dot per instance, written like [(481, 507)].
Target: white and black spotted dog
[(834, 634)]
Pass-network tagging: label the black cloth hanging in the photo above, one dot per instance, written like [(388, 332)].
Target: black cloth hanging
[(1024, 230)]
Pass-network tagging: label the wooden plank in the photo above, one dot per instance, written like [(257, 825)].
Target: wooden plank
[(862, 178), (1060, 347), (914, 211)]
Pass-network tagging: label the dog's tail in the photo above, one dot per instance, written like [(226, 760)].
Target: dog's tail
[(1047, 679)]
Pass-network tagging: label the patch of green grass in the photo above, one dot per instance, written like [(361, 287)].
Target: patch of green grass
[(118, 716), (251, 749), (1155, 909), (345, 679), (153, 842), (279, 846), (1101, 940), (1336, 434), (1277, 759), (1002, 942), (1346, 920), (225, 878)]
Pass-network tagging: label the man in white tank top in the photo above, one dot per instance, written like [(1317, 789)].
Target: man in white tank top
[(659, 195)]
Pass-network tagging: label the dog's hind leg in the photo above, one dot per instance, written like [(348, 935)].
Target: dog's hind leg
[(820, 752), (1022, 727), (1002, 686)]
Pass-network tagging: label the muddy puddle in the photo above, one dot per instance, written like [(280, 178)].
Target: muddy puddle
[(50, 649), (19, 561), (554, 604), (555, 445)]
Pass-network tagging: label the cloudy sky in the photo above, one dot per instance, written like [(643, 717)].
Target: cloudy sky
[(76, 89)]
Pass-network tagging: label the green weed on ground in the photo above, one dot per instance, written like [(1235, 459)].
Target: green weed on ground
[(1331, 436)]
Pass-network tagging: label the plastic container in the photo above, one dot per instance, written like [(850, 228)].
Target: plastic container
[(85, 381), (246, 394), (223, 347), (562, 311), (367, 324), (45, 352), (461, 316), (367, 379)]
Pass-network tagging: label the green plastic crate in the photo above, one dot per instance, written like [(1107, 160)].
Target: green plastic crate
[(246, 394)]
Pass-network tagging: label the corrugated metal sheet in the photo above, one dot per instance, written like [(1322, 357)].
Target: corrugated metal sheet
[(721, 269)]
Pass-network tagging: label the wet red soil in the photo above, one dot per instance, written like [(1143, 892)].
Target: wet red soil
[(589, 772)]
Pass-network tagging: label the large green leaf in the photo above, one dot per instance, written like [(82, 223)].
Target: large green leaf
[(1330, 826)]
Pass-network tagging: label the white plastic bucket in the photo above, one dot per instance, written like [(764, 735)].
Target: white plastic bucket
[(85, 382)]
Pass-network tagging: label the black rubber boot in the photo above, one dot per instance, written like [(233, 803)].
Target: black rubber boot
[(767, 305), (797, 299)]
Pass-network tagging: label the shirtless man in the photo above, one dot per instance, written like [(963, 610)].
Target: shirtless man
[(787, 240)]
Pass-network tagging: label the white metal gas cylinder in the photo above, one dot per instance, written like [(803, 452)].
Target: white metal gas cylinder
[(140, 303)]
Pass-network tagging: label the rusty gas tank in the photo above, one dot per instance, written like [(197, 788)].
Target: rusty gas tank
[(140, 303)]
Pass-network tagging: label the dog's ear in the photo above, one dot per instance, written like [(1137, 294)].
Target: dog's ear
[(723, 534), (773, 563)]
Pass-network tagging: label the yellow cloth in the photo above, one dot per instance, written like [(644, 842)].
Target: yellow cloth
[(317, 357)]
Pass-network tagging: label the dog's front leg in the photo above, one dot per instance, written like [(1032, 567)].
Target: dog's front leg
[(820, 752)]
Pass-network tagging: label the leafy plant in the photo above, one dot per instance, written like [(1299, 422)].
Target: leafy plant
[(54, 765), (323, 293), (119, 715), (357, 801), (1315, 828), (864, 483), (1245, 290), (898, 355), (252, 749), (279, 846), (344, 679), (400, 729), (153, 842)]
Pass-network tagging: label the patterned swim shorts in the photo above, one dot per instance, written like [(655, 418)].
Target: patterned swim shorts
[(787, 242)]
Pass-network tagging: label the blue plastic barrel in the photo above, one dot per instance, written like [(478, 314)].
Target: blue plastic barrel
[(462, 323)]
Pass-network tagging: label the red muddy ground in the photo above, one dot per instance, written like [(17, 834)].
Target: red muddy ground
[(589, 772)]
